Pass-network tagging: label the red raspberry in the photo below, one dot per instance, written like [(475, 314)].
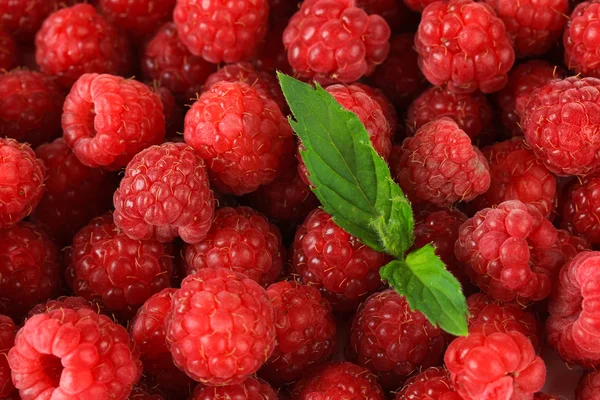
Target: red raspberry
[(137, 17), (241, 134), (164, 194), (572, 245), (250, 389), (168, 61), (581, 209), (392, 340), (559, 124), (428, 171), (533, 26), (272, 55), (107, 267), (23, 18), (471, 111), (7, 341), (221, 327), (73, 354), (589, 387), (510, 251), (108, 119), (495, 366), (335, 262), (387, 107), (334, 41), (306, 331), (8, 51), (72, 303), (431, 384), (339, 381), (418, 5), (76, 40), (219, 30), (464, 45), (522, 81), (581, 47)]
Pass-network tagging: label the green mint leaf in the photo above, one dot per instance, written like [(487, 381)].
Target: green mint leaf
[(428, 287), (352, 182)]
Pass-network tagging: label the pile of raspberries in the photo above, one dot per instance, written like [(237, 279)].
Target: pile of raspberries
[(159, 238)]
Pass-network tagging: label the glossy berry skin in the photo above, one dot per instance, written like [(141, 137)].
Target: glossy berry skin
[(108, 119), (7, 341), (68, 302), (73, 354), (23, 18), (580, 208), (220, 31), (333, 41), (465, 46), (330, 259), (8, 55), (306, 331), (495, 366), (431, 384), (393, 341), (138, 18), (221, 327), (510, 252), (339, 381), (21, 181), (77, 40), (164, 194), (107, 267), (428, 172), (250, 389), (241, 134), (589, 386), (581, 47)]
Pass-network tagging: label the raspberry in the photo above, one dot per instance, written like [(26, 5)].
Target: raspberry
[(221, 31), (21, 181), (7, 341), (581, 209), (168, 61), (76, 40), (72, 303), (108, 119), (339, 381), (392, 340), (334, 41), (250, 389), (572, 245), (471, 111), (522, 81), (335, 262), (428, 171), (73, 354), (271, 55), (495, 366), (221, 327), (306, 331), (165, 193), (462, 44), (589, 386), (23, 18), (510, 252), (432, 384), (418, 5), (581, 47), (516, 174), (137, 17), (241, 134), (105, 266), (386, 105), (8, 51), (559, 124), (533, 26)]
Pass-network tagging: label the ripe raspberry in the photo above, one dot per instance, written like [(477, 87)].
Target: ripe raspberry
[(418, 5), (108, 119), (392, 340), (339, 381), (73, 354), (166, 60), (330, 259), (334, 41), (8, 51), (72, 303), (581, 47), (462, 44), (589, 386), (22, 177), (471, 111), (250, 389), (105, 266), (387, 107), (432, 384), (7, 341), (428, 172), (581, 208), (495, 366), (241, 134), (221, 31), (522, 81), (76, 40), (23, 18), (572, 245), (137, 17), (221, 327), (560, 125), (164, 194), (272, 55)]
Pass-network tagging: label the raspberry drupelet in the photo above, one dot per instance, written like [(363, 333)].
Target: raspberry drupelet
[(393, 341), (431, 384), (333, 41), (250, 389), (164, 194), (581, 47), (8, 54), (464, 45), (77, 40), (23, 18), (589, 386), (7, 341), (572, 245), (388, 109), (108, 119), (138, 18), (221, 327), (580, 209), (70, 302), (330, 259), (242, 135), (73, 354)]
